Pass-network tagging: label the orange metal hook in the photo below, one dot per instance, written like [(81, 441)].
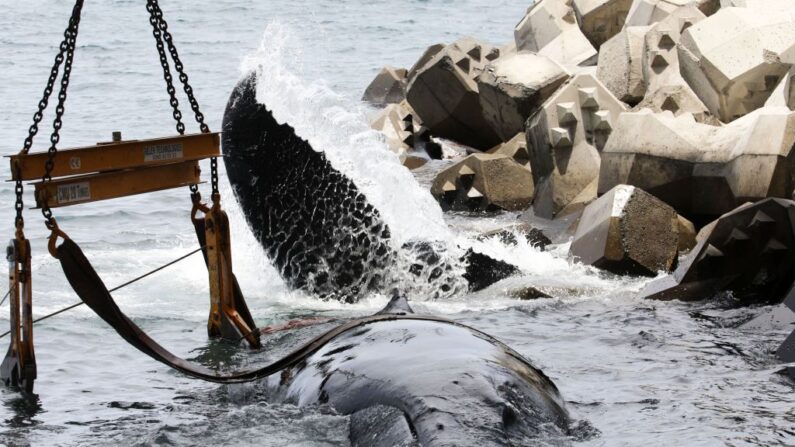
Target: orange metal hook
[(55, 233)]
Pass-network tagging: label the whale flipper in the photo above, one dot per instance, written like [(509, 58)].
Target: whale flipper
[(315, 225)]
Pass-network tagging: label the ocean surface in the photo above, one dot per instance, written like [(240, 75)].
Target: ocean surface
[(638, 372)]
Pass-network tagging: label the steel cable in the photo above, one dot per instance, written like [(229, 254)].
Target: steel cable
[(132, 281)]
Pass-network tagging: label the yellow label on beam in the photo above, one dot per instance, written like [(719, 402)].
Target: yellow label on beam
[(111, 185), (115, 156)]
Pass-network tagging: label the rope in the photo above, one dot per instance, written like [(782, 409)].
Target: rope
[(6, 297), (293, 324), (145, 275)]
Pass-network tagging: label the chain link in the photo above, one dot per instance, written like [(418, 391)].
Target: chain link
[(39, 115), (161, 50), (183, 77), (161, 33), (214, 174), (64, 57), (68, 47)]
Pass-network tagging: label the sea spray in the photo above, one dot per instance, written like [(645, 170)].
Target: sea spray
[(428, 264), (338, 127)]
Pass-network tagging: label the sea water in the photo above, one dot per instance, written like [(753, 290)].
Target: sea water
[(638, 372)]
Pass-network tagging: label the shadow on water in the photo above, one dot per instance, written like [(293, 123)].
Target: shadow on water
[(24, 410), (218, 354)]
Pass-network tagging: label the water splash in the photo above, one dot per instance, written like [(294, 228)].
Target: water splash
[(428, 262), (338, 127)]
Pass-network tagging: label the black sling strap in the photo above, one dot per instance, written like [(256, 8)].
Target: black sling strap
[(89, 287)]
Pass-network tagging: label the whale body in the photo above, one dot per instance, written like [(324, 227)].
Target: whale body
[(420, 381), (428, 383)]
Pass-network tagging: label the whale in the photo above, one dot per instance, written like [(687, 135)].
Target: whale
[(428, 383), (404, 379), (315, 225)]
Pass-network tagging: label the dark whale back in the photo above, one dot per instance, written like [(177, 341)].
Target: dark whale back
[(434, 383), (316, 227)]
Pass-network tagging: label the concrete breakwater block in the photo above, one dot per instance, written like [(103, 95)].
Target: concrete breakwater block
[(749, 251), (565, 138), (629, 231), (484, 182), (702, 171)]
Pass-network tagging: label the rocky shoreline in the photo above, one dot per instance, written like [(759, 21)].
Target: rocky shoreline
[(664, 128)]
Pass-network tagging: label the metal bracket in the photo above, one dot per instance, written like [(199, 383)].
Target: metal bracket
[(19, 366), (229, 314)]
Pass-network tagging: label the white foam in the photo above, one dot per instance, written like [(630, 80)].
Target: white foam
[(338, 127)]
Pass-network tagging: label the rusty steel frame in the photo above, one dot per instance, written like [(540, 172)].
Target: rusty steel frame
[(117, 155), (110, 185), (224, 321), (19, 365)]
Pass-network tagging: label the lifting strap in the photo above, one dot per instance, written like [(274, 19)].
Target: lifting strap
[(90, 288)]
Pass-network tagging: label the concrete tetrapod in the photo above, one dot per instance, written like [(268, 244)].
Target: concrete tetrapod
[(601, 19), (702, 171), (445, 95), (484, 182), (749, 251), (564, 139), (514, 86), (388, 87), (397, 123), (516, 148), (628, 231), (621, 64), (666, 89), (550, 29), (734, 59), (649, 12)]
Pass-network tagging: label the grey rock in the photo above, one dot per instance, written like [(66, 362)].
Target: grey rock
[(749, 252), (627, 231), (513, 87), (388, 87)]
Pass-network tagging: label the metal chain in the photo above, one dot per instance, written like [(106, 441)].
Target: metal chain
[(69, 42), (39, 115), (19, 221), (161, 50), (214, 174), (183, 77), (160, 27)]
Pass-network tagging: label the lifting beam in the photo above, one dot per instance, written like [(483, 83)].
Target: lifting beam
[(113, 184), (117, 155), (19, 366)]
